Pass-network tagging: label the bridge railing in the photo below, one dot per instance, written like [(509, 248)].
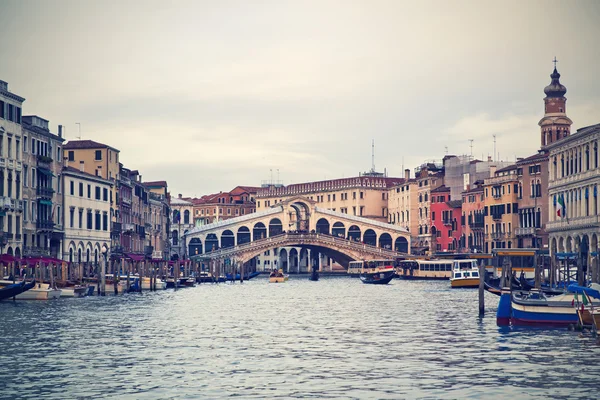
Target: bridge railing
[(236, 220), (362, 220), (282, 238)]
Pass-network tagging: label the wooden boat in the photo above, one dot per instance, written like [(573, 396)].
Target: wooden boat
[(378, 272), (207, 277), (12, 290), (465, 274), (160, 284), (492, 285), (278, 277)]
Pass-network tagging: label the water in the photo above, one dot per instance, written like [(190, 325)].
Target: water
[(336, 338)]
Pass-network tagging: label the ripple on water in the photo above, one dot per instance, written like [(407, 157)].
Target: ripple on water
[(335, 338)]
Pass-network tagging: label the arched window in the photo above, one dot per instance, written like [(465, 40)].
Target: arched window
[(186, 217), (420, 198), (426, 196)]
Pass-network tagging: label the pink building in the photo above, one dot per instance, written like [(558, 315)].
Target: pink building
[(445, 221)]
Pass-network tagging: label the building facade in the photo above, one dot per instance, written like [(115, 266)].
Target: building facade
[(473, 218), (532, 196), (224, 205), (43, 230), (501, 209), (182, 211), (158, 223), (430, 176), (11, 166), (86, 216), (446, 229), (403, 205)]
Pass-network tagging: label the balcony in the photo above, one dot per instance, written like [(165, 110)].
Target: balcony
[(574, 179), (498, 235), (116, 227), (447, 222), (18, 236), (45, 225), (44, 161), (566, 224), (525, 231), (18, 166), (35, 252), (476, 225), (7, 203), (2, 162), (19, 205), (157, 254), (45, 191), (496, 216), (10, 164), (117, 250)]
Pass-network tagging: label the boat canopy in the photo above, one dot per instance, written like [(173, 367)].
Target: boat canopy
[(580, 289)]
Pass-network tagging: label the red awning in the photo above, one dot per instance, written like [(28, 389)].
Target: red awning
[(135, 257), (7, 258)]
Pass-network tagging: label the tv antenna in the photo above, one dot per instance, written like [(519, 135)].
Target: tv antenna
[(79, 125), (471, 145), (494, 135), (373, 155)]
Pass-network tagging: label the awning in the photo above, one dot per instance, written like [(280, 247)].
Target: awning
[(7, 258), (46, 202), (135, 257), (45, 171)]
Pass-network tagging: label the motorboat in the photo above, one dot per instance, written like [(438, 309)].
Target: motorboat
[(159, 285), (465, 274), (74, 291), (39, 291), (278, 277), (378, 272), (15, 289)]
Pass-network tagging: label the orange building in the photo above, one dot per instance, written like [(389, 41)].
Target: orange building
[(501, 209)]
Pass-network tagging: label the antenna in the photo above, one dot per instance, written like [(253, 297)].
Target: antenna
[(471, 140), (271, 169), (79, 124), (373, 155), (403, 164), (494, 135), (277, 176), (446, 149)]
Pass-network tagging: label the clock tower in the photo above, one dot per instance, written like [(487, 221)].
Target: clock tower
[(555, 124)]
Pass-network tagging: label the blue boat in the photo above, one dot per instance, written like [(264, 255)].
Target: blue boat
[(15, 289)]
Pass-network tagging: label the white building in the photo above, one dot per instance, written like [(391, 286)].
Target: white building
[(181, 222), (11, 165), (86, 215)]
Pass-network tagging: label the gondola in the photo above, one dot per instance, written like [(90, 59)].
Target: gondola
[(15, 289), (378, 278), (238, 277)]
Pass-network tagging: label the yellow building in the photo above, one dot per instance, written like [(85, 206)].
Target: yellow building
[(501, 210), (403, 205)]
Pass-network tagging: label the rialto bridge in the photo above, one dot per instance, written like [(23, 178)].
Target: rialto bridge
[(298, 222)]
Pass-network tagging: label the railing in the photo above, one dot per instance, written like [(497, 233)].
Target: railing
[(298, 239), (35, 251), (575, 178), (18, 166), (18, 236), (45, 191), (45, 224), (573, 223), (496, 216), (2, 162), (498, 235), (476, 225), (447, 222), (233, 221), (116, 227), (11, 163), (525, 231), (127, 227), (19, 205), (362, 220)]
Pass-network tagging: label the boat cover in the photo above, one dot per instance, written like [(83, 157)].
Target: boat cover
[(580, 289)]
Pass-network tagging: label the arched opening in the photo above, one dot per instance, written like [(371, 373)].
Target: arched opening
[(243, 235), (401, 245), (71, 255), (9, 251), (338, 230), (227, 239), (175, 237), (79, 255), (385, 241), (18, 252), (561, 245), (370, 237), (259, 231), (195, 246), (354, 233), (293, 260), (323, 226), (275, 227), (211, 242), (283, 260), (299, 216), (186, 217), (569, 245)]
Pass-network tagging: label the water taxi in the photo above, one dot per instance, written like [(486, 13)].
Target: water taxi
[(277, 277), (378, 272), (465, 274), (355, 268), (424, 269)]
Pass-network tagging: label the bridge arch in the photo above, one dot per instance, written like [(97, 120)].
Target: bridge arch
[(385, 241), (211, 242), (370, 237), (275, 227), (227, 239), (323, 226), (259, 231), (294, 260), (195, 246), (338, 230), (299, 215), (243, 235), (401, 245), (283, 260), (354, 233)]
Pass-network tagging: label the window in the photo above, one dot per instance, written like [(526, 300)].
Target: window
[(89, 219), (98, 155), (25, 174), (72, 217), (105, 194), (72, 186), (71, 155), (98, 227), (25, 210), (89, 194), (80, 218), (104, 221), (81, 189)]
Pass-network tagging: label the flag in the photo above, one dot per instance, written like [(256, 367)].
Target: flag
[(560, 208), (176, 216), (584, 298)]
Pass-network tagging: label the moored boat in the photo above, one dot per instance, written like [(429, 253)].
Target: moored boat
[(378, 272), (159, 285), (238, 277), (15, 289), (74, 291), (465, 274), (40, 291)]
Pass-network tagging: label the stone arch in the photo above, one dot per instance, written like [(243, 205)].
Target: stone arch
[(283, 260), (211, 242), (561, 245), (299, 215), (385, 240), (553, 246), (569, 244), (186, 217), (227, 239), (323, 226), (243, 235), (401, 244), (195, 246), (370, 237), (275, 227), (294, 260), (354, 233), (97, 252), (175, 237), (338, 229), (9, 251), (17, 252), (259, 231)]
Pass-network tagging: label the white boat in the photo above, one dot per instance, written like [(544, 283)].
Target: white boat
[(465, 274), (74, 291), (41, 291), (160, 284)]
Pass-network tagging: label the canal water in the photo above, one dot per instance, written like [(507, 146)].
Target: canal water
[(335, 338)]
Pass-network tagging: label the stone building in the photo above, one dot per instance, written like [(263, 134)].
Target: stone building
[(43, 229), (473, 218), (532, 173), (181, 223), (446, 228), (11, 166), (224, 205), (158, 222), (403, 205), (501, 209), (430, 175)]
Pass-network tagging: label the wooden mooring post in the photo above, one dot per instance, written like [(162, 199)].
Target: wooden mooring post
[(481, 289)]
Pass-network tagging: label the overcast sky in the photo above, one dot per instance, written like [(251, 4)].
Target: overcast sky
[(210, 95)]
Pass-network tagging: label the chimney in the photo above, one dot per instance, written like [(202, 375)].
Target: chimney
[(407, 174), (60, 131), (179, 195), (492, 171), (66, 161), (489, 158), (81, 166)]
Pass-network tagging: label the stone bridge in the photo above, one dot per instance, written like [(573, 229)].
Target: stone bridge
[(340, 236)]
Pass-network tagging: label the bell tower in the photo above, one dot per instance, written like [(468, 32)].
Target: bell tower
[(555, 125)]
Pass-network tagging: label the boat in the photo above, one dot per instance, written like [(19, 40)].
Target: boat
[(187, 281), (74, 291), (465, 274), (160, 284), (492, 285), (354, 268), (207, 277), (424, 269), (238, 277), (278, 276), (535, 308), (378, 272), (15, 289), (38, 291)]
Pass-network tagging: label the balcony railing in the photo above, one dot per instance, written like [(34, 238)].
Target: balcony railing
[(45, 224), (525, 231), (574, 223), (447, 222), (35, 251), (116, 227), (476, 225), (45, 191), (496, 216), (127, 227), (2, 162), (18, 236)]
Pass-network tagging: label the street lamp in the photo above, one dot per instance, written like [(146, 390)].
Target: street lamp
[(103, 271)]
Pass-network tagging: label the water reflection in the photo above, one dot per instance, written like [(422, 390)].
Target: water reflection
[(335, 338)]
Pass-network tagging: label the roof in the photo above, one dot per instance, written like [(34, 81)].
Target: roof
[(505, 169), (36, 129), (454, 203), (86, 144), (536, 157), (441, 189), (155, 184), (85, 174)]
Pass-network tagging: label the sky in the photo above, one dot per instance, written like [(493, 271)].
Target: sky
[(208, 95)]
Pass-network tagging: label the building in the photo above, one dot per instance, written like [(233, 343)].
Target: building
[(430, 175), (446, 228), (501, 209), (122, 229), (139, 243), (224, 205), (532, 173), (473, 218), (43, 229), (181, 222), (87, 216), (158, 222), (11, 166), (403, 205)]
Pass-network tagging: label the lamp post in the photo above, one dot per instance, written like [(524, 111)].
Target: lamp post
[(103, 271)]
